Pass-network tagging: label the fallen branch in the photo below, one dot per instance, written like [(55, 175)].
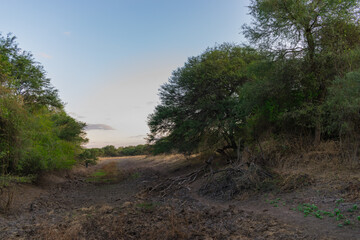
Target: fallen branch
[(227, 182), (173, 184)]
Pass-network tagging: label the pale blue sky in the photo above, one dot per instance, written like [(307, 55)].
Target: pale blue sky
[(108, 58)]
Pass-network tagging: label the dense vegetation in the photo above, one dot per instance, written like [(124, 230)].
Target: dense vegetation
[(112, 151), (36, 134), (299, 77)]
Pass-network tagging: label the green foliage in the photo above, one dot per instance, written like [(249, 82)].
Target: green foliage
[(339, 202), (112, 151), (99, 173), (12, 120), (276, 202), (301, 79), (25, 76), (135, 175), (313, 210), (300, 35), (44, 149), (354, 208), (347, 222), (67, 128), (35, 132), (300, 26), (310, 209), (147, 205), (197, 105), (134, 150), (6, 180), (342, 106), (163, 145), (304, 87), (90, 155), (100, 176)]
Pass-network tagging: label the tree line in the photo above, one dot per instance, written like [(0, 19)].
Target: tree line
[(92, 154), (298, 76), (36, 134)]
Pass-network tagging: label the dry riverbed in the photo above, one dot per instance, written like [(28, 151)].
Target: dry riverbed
[(120, 198)]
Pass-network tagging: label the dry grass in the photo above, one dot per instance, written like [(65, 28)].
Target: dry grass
[(298, 163), (6, 198), (116, 169), (180, 217), (292, 154), (352, 191), (108, 173), (132, 221), (291, 182), (227, 183)]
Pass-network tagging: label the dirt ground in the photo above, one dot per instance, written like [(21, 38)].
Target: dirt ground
[(138, 198)]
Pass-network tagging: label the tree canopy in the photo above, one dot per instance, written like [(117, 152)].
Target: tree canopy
[(25, 76), (302, 52), (197, 104), (36, 134), (299, 26)]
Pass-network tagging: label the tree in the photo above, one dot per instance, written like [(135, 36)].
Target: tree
[(36, 134), (110, 151), (133, 150), (67, 128), (12, 119), (306, 30), (25, 76), (89, 156), (342, 107), (295, 26), (197, 104), (302, 28)]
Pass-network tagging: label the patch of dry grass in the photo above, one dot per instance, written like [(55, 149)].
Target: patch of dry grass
[(132, 221), (108, 173), (6, 198), (328, 159)]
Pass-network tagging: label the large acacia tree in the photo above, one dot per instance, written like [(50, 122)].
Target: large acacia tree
[(197, 104)]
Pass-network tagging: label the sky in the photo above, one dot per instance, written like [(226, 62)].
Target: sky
[(108, 58)]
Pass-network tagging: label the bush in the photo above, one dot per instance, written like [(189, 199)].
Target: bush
[(342, 107)]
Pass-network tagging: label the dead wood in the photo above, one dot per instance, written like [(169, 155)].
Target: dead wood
[(172, 184), (234, 177)]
